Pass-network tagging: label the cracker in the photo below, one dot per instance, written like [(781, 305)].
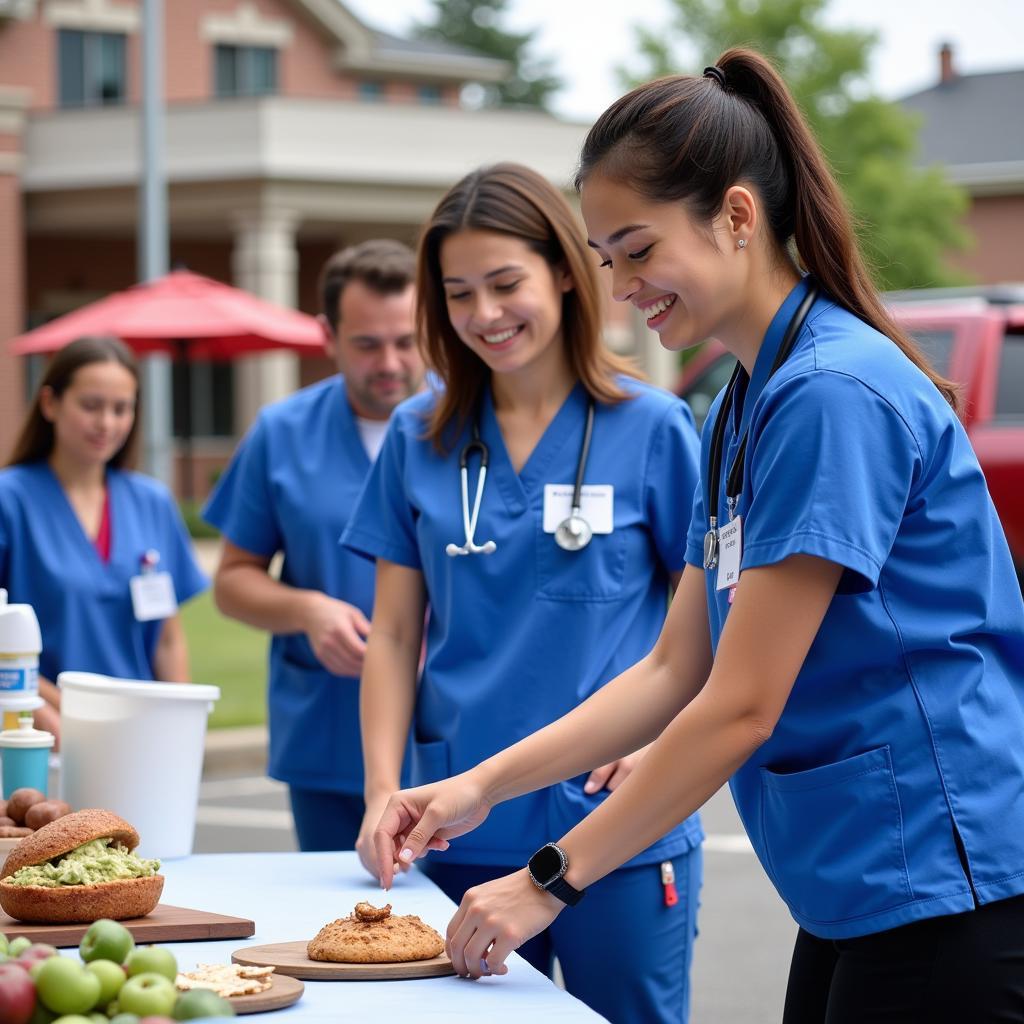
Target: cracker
[(227, 980)]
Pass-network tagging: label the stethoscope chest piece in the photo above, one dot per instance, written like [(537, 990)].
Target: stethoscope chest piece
[(574, 533)]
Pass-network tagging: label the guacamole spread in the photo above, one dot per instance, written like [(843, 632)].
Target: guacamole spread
[(96, 861)]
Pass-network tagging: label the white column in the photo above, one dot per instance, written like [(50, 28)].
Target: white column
[(265, 262)]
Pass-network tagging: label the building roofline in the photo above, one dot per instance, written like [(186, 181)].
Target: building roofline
[(359, 48)]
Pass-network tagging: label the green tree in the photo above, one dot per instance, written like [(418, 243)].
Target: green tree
[(908, 218), (477, 25)]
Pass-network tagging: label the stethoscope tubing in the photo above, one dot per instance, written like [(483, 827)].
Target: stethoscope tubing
[(470, 519)]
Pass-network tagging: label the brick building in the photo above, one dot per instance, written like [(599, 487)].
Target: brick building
[(291, 129), (974, 126)]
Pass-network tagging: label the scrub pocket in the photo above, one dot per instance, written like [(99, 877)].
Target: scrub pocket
[(430, 762), (833, 838), (594, 573)]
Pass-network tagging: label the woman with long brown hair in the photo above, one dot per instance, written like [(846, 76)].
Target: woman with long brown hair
[(862, 682), (530, 504), (76, 525)]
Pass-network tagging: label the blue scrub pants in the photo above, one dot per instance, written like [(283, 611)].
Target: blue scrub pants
[(325, 820), (621, 950)]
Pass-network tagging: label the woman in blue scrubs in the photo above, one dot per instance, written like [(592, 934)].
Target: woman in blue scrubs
[(76, 525), (521, 630), (862, 685)]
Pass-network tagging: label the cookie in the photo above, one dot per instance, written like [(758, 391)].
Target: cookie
[(372, 935)]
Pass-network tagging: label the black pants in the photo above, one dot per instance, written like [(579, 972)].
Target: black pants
[(959, 969)]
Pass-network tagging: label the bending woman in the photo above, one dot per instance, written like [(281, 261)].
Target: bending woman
[(520, 629), (862, 682), (76, 525)]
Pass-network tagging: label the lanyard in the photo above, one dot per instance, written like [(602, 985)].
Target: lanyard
[(734, 481)]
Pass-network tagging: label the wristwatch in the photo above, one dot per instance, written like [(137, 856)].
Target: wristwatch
[(547, 868)]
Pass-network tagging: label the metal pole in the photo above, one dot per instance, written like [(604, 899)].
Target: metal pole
[(153, 250)]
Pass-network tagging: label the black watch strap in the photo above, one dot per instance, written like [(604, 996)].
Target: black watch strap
[(565, 892)]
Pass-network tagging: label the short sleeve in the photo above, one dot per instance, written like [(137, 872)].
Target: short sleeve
[(669, 483), (831, 468), (383, 523), (241, 504), (178, 557), (5, 546)]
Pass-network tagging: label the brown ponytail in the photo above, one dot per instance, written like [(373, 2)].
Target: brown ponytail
[(689, 139)]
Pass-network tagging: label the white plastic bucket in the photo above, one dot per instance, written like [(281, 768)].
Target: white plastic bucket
[(136, 748)]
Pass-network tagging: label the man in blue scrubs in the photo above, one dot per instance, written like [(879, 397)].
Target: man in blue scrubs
[(290, 488)]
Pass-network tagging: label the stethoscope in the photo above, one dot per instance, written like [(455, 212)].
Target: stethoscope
[(573, 533), (734, 481)]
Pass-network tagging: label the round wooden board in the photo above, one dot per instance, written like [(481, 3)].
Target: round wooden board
[(283, 992), (290, 958)]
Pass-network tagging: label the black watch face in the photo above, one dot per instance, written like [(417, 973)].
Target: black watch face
[(546, 865)]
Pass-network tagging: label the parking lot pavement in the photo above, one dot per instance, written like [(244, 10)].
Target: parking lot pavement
[(741, 957)]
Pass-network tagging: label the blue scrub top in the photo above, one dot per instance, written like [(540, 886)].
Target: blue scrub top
[(291, 486), (83, 604), (904, 733), (518, 638)]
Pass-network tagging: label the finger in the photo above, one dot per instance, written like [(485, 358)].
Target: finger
[(457, 947), (619, 776), (505, 943), (349, 638), (420, 835), (599, 777), (361, 622), (384, 849), (476, 951)]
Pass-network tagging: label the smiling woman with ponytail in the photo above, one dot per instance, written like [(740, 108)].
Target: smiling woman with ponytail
[(862, 683)]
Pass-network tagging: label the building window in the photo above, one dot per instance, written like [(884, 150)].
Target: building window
[(91, 68), (245, 70), (371, 92), (429, 94)]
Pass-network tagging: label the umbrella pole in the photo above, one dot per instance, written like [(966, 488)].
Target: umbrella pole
[(187, 491)]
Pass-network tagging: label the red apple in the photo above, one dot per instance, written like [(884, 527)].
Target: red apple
[(17, 995)]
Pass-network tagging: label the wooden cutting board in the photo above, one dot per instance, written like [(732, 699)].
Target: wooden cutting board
[(283, 992), (164, 924), (290, 958)]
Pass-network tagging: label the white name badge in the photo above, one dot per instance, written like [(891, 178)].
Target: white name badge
[(730, 553), (597, 506), (153, 596)]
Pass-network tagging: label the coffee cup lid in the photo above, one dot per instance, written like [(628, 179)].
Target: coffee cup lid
[(25, 737)]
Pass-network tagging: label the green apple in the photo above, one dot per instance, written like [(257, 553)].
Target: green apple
[(106, 940), (201, 1002), (65, 986), (152, 960), (125, 1018), (3, 946), (73, 1018), (98, 1018), (148, 995), (111, 976), (18, 945)]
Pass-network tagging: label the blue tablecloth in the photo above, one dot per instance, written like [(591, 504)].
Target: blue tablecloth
[(291, 896)]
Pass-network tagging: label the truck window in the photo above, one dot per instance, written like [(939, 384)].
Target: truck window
[(937, 346), (1010, 386)]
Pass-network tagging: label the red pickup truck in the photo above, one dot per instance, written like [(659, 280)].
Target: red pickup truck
[(974, 336)]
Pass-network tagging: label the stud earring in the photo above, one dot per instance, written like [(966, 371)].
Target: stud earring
[(741, 244)]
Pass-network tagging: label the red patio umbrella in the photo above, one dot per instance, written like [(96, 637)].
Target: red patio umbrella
[(188, 316), (184, 314)]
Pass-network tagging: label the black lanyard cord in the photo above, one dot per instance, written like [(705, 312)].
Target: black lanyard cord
[(734, 481)]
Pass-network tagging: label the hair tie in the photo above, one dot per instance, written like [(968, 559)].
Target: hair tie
[(717, 74)]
